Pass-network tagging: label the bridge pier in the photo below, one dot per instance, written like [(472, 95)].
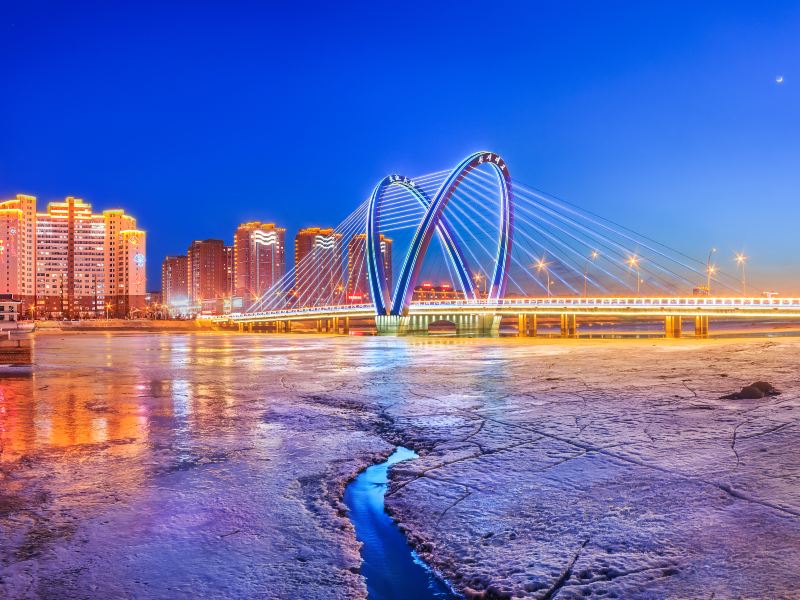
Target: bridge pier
[(346, 328), (701, 326), (479, 325), (527, 325), (569, 325), (673, 326), (392, 324)]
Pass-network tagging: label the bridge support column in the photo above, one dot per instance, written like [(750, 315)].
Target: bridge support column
[(391, 324), (336, 325), (527, 325), (319, 325), (701, 326), (479, 325), (241, 327), (673, 327), (250, 327), (569, 325), (287, 327), (346, 328)]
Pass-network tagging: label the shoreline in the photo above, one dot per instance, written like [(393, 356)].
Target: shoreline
[(721, 335)]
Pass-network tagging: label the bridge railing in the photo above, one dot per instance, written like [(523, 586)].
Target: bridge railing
[(306, 310), (620, 301)]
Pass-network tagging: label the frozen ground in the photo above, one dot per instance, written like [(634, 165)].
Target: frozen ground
[(212, 465)]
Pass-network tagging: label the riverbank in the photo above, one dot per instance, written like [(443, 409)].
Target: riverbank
[(118, 325), (215, 465)]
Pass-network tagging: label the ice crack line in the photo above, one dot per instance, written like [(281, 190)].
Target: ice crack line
[(566, 573)]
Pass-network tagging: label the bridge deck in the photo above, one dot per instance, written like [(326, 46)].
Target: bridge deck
[(732, 307)]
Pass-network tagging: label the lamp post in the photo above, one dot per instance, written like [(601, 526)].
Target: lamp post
[(477, 278), (740, 260), (710, 270), (633, 263), (542, 266), (592, 257)]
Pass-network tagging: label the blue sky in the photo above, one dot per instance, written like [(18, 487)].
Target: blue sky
[(195, 116)]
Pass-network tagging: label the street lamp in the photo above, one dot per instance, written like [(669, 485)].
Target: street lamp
[(710, 270), (740, 260), (592, 257), (542, 266), (478, 277), (633, 263)]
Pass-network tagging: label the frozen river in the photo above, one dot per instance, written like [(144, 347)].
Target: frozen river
[(214, 465)]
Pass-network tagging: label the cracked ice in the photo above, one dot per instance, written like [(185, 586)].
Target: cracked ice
[(213, 465)]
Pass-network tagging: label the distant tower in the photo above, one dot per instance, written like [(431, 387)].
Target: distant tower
[(318, 266), (357, 284), (259, 259), (175, 282), (18, 249), (206, 269)]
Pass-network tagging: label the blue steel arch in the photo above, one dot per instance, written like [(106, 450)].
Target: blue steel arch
[(376, 271), (431, 221)]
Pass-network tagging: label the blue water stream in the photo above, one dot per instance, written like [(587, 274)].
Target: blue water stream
[(392, 569)]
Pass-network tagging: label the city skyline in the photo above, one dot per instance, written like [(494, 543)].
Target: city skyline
[(633, 116)]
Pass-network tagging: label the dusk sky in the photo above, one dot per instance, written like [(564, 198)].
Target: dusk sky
[(666, 117)]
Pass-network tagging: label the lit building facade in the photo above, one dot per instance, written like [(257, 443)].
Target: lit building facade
[(318, 266), (259, 259), (441, 292), (227, 266), (175, 283), (18, 249), (207, 275), (69, 262), (357, 285)]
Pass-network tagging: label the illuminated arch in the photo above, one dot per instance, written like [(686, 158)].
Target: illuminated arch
[(432, 221), (376, 271)]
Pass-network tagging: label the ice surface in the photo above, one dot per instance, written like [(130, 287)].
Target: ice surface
[(213, 465)]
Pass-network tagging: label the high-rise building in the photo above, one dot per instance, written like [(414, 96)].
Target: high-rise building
[(227, 260), (357, 283), (18, 249), (259, 259), (175, 283), (125, 269), (318, 266), (70, 262), (207, 275)]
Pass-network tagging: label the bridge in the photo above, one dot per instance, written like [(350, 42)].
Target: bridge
[(509, 255)]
